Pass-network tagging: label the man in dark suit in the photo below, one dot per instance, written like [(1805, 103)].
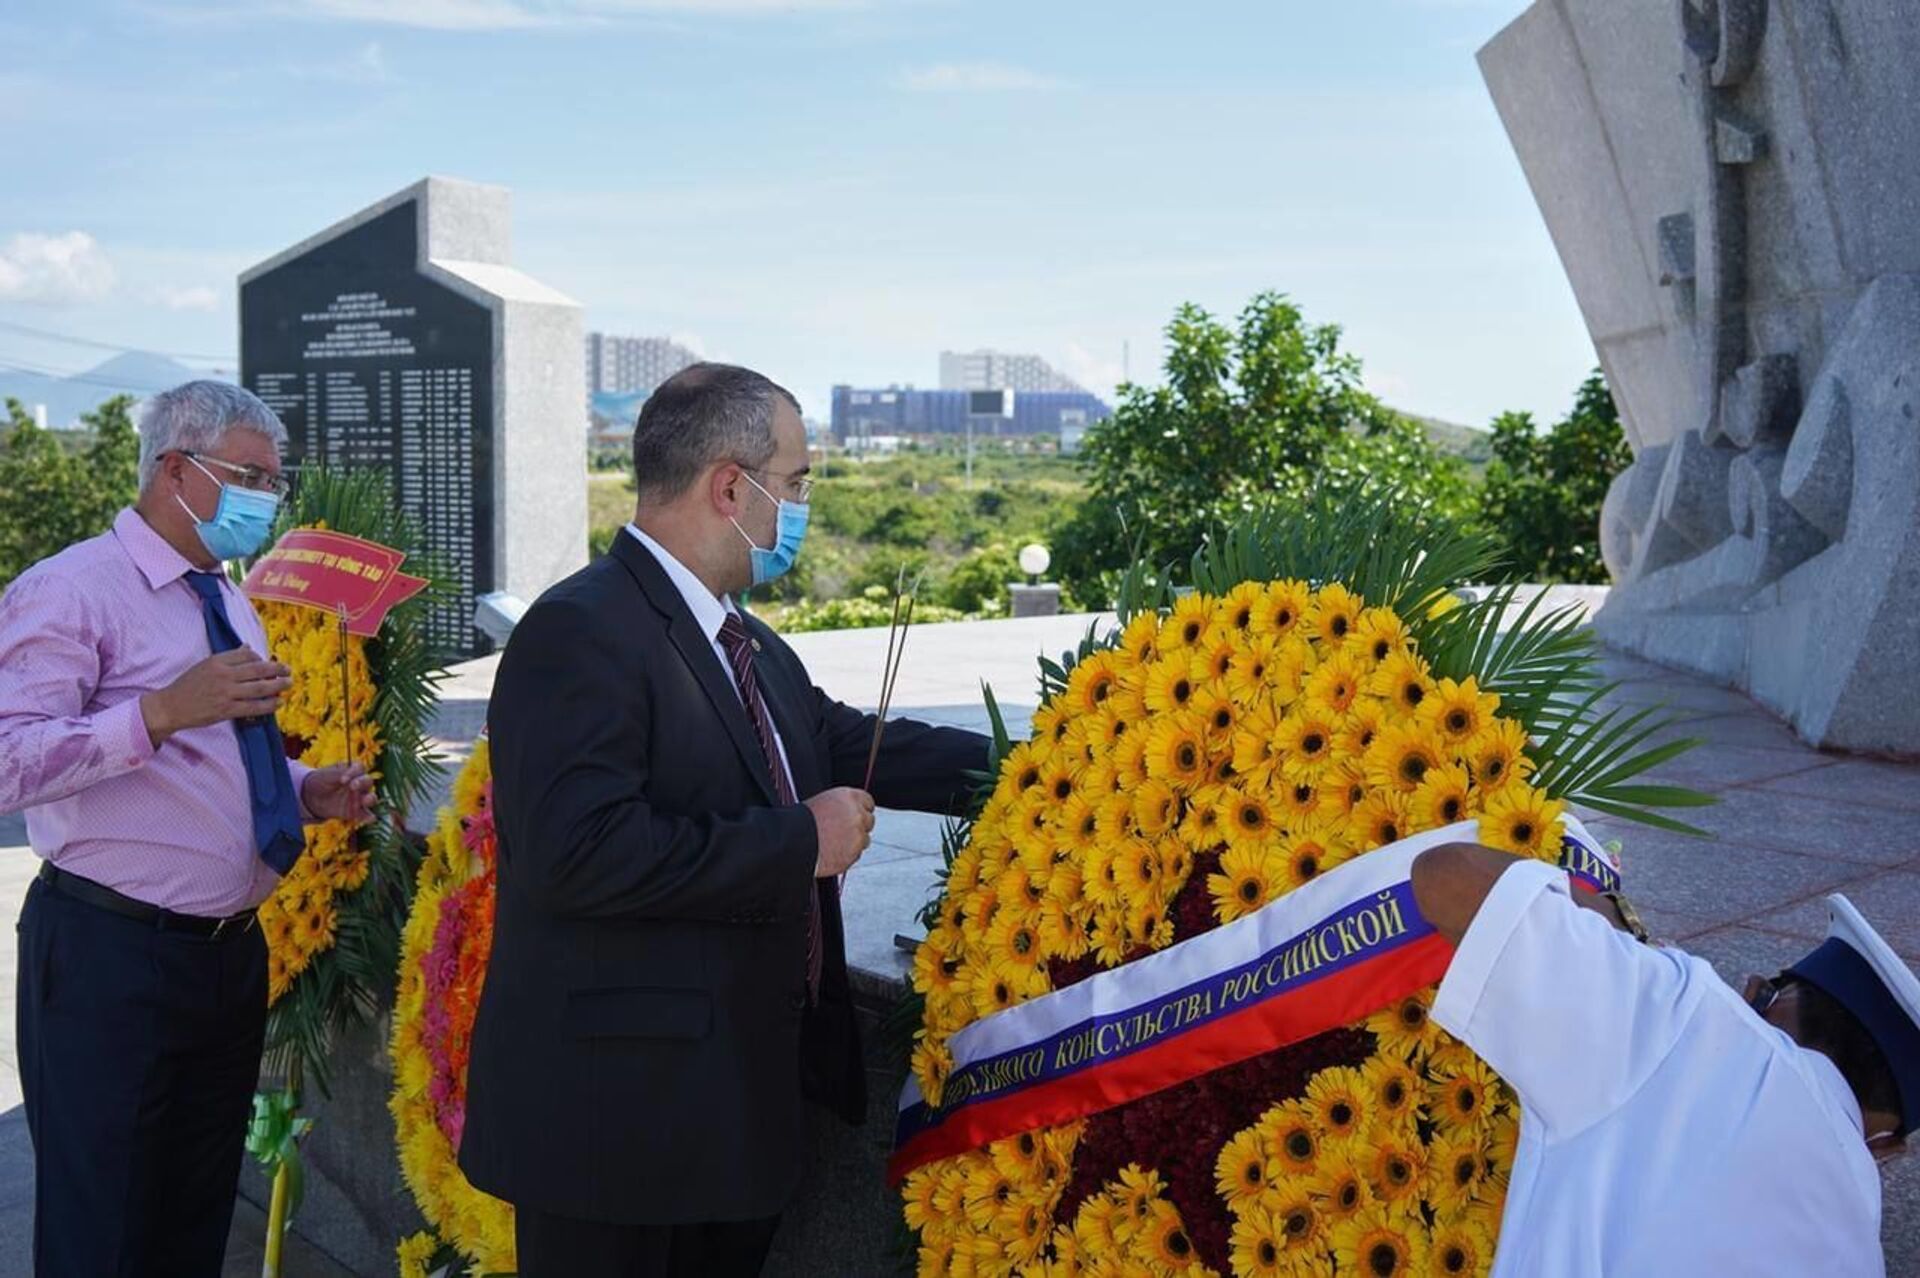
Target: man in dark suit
[(675, 803)]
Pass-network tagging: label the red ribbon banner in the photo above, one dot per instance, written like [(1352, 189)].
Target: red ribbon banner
[(334, 572)]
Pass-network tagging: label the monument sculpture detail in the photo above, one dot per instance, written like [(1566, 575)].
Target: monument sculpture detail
[(1732, 190)]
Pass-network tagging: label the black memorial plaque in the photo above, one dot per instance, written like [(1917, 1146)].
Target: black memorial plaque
[(373, 365)]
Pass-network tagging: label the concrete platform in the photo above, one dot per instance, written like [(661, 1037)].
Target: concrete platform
[(1797, 823)]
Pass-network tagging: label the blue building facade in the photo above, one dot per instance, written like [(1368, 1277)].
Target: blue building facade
[(903, 410)]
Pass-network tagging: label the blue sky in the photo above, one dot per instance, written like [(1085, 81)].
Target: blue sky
[(828, 190)]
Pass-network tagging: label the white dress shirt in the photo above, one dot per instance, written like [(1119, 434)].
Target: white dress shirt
[(709, 611), (1665, 1129)]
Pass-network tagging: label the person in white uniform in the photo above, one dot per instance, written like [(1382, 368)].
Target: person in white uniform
[(1668, 1124)]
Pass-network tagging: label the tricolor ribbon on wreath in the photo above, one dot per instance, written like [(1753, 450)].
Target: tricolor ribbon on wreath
[(1322, 956)]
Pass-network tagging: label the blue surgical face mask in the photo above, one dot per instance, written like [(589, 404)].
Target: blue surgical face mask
[(789, 532), (240, 523)]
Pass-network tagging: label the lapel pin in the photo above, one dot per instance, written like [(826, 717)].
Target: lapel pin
[(755, 643)]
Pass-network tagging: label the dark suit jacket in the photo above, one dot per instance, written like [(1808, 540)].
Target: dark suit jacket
[(642, 1040)]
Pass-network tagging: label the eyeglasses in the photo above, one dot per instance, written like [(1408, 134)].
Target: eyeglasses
[(249, 476), (802, 486)]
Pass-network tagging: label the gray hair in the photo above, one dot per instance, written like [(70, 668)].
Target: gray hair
[(703, 414), (193, 418)]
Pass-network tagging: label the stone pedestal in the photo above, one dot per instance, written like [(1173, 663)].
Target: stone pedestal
[(1035, 601)]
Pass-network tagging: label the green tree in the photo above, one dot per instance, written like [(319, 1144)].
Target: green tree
[(1266, 410), (1543, 490), (52, 494)]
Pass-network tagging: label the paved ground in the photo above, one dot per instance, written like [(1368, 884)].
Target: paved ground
[(1794, 825)]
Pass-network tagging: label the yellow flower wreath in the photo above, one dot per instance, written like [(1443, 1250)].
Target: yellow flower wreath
[(1260, 739)]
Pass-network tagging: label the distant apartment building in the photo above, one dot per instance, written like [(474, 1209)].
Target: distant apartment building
[(632, 365), (1002, 370), (862, 412)]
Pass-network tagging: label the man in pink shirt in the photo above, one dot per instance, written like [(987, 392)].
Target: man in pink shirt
[(137, 732)]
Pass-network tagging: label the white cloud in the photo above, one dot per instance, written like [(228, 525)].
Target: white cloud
[(973, 77), (197, 297), (54, 269)]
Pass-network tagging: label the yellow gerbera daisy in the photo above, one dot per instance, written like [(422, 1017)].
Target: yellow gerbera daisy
[(1258, 1250), (1340, 1186), (1394, 1165), (1129, 757), (1136, 1191), (1215, 651), (1236, 611), (1023, 1224), (1342, 786), (1442, 798), (1362, 724), (1240, 1169), (1163, 1239), (1283, 607), (1175, 752), (1242, 885), (1306, 741), (1014, 939), (1063, 929), (1378, 634), (1108, 940), (1248, 819), (1172, 681), (1257, 751), (1187, 623), (1078, 823), (1247, 671), (1140, 639), (1402, 679), (1301, 800), (1137, 867), (1310, 850), (1458, 711), (1335, 684), (1405, 1028), (1297, 1219), (1461, 1099), (1523, 820), (1456, 1168), (1093, 1224), (1200, 828), (1461, 1249), (1341, 1103), (1155, 808), (1100, 876), (1497, 755), (1022, 766), (1335, 610), (987, 1190), (1397, 1090), (1401, 756), (1293, 1138), (1374, 1243), (1052, 720), (1378, 819), (1218, 716)]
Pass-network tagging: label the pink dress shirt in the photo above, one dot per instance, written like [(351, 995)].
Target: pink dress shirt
[(82, 636)]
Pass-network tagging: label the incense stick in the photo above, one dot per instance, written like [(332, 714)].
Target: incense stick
[(890, 668)]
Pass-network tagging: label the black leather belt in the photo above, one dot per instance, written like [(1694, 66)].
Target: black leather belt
[(161, 919)]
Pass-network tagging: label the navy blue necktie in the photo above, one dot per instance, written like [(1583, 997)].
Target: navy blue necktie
[(276, 808)]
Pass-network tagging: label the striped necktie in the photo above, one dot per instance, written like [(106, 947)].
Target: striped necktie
[(739, 649)]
